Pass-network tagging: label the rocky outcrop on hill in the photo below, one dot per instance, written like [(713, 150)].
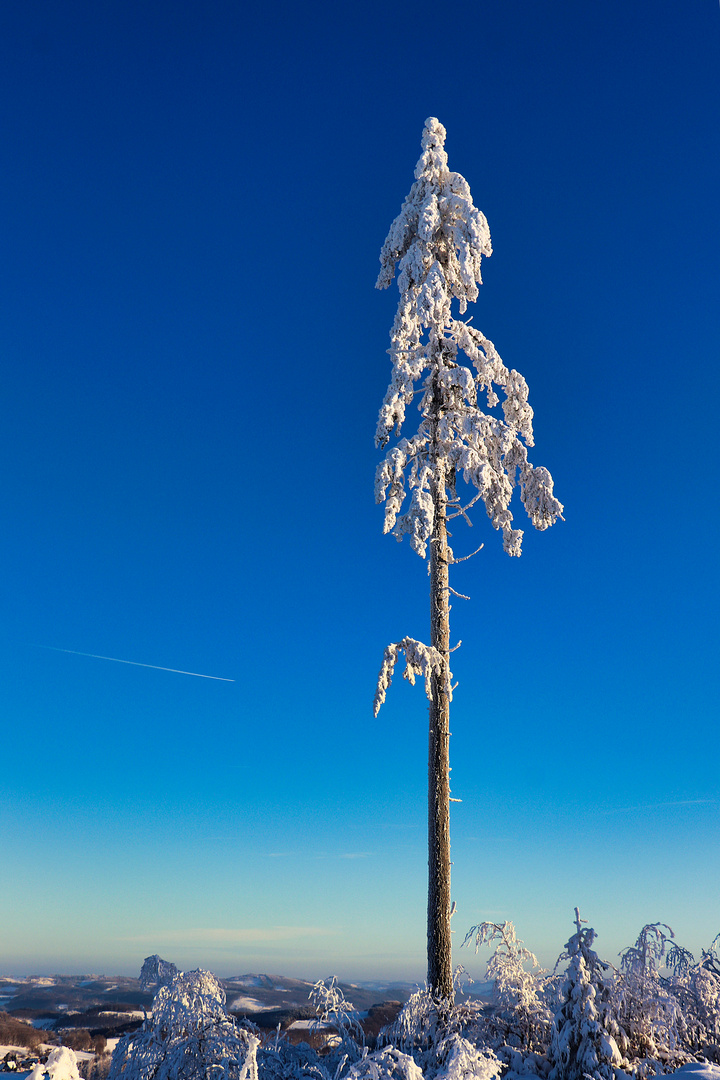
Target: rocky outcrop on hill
[(156, 972)]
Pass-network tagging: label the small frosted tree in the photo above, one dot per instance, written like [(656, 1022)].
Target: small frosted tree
[(436, 246), (332, 1007), (521, 1015), (189, 1036), (584, 1032), (647, 1005)]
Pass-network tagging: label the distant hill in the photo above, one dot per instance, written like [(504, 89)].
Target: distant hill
[(110, 1007)]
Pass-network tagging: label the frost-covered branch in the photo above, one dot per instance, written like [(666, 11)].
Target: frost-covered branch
[(420, 659)]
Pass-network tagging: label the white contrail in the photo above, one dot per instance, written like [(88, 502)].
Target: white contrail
[(135, 663)]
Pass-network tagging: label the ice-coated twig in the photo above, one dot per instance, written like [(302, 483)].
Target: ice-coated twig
[(462, 510), (464, 558), (462, 596)]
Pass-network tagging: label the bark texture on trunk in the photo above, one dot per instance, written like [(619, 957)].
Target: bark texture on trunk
[(439, 944)]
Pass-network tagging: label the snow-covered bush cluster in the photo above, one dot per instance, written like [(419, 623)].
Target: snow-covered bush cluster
[(654, 1013)]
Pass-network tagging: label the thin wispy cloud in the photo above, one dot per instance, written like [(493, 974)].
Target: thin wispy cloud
[(343, 855), (659, 806), (229, 936), (134, 663), (319, 854), (493, 839)]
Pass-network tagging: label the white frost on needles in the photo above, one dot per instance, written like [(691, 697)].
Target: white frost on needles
[(436, 246), (420, 659)]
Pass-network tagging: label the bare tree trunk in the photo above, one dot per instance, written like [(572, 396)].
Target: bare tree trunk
[(440, 977)]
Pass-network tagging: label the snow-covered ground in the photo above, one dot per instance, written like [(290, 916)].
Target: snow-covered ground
[(246, 1004), (23, 1051), (308, 1025)]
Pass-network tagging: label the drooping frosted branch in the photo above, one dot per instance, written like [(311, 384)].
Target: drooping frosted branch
[(420, 659)]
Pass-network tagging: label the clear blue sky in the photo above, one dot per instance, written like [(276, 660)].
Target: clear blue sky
[(194, 197)]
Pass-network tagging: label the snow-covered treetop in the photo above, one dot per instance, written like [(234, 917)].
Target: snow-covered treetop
[(580, 946), (646, 955), (438, 212), (435, 246), (188, 1003)]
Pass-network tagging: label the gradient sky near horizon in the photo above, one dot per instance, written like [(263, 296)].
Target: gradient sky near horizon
[(194, 197)]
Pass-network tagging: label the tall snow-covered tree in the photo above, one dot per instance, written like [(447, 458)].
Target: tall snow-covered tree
[(435, 246)]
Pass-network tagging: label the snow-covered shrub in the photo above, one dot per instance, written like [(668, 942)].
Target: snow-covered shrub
[(459, 1059), (442, 1038), (417, 1027), (421, 1025), (60, 1065), (332, 1007), (386, 1064), (188, 1037), (521, 1015), (647, 1007), (279, 1059), (428, 1032), (283, 1060), (696, 986), (584, 1032)]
